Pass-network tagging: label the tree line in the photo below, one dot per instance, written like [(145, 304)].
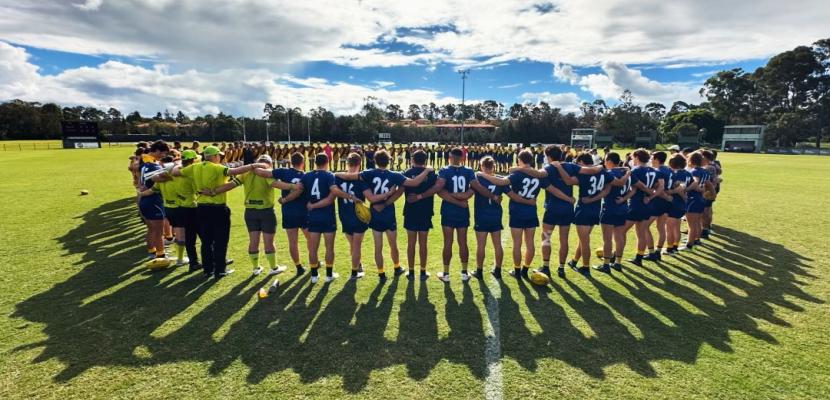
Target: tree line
[(789, 94)]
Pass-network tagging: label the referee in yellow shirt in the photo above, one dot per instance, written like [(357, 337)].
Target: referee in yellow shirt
[(212, 211)]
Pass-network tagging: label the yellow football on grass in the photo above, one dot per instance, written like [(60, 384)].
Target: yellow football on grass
[(362, 212), (599, 252), (158, 263), (538, 278)]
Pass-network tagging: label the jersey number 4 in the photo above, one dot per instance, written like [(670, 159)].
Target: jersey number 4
[(315, 189)]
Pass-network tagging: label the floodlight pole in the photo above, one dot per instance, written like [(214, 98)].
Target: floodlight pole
[(289, 125), (463, 73), (267, 136), (244, 135)]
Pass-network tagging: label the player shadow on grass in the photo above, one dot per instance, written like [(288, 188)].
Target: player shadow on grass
[(666, 310), (103, 314), (113, 313)]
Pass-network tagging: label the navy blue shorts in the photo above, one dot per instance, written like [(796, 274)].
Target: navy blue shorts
[(586, 216), (350, 224), (677, 212), (638, 213), (524, 222), (151, 210), (695, 205), (417, 223), (612, 219), (659, 207), (294, 220), (708, 203), (322, 226), (558, 218), (459, 219), (354, 228), (384, 220)]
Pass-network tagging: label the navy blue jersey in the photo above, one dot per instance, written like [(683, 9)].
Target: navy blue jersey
[(146, 169), (552, 202), (644, 174), (456, 180), (316, 187), (354, 188), (291, 175), (528, 187), (591, 185), (380, 181), (682, 177), (664, 173), (421, 207), (485, 208), (703, 177), (609, 203)]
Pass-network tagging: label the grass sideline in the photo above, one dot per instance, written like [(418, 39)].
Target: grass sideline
[(744, 317)]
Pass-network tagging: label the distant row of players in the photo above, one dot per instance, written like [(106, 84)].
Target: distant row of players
[(400, 155), (641, 190)]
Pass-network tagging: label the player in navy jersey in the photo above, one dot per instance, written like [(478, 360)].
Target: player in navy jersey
[(559, 203), (294, 212), (384, 187), (320, 189), (353, 228), (643, 182), (592, 189), (456, 183), (417, 214), (151, 207), (487, 218), (680, 179), (612, 218), (714, 170), (695, 202), (659, 204), (523, 219)]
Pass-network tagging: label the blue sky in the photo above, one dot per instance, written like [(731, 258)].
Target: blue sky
[(233, 56)]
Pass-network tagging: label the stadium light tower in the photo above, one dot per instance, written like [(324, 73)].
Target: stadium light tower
[(464, 73)]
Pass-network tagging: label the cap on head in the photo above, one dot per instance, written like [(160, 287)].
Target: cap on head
[(211, 151), (265, 158), (189, 155)]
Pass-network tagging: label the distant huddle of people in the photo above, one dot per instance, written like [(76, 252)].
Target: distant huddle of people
[(181, 196)]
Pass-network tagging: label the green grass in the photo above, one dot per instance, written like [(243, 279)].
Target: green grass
[(744, 317)]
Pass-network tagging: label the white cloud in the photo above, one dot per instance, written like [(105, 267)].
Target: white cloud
[(617, 77), (235, 90), (215, 34), (567, 102), (565, 73), (510, 86)]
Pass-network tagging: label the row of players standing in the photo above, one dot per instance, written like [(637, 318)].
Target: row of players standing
[(613, 196)]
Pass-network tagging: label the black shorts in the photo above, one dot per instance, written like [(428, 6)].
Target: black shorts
[(261, 220), (173, 217)]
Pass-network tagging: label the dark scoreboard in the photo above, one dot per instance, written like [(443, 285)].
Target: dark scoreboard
[(80, 135)]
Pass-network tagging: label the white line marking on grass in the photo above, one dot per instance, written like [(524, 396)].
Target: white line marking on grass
[(492, 344)]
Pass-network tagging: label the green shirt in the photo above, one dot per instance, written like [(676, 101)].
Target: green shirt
[(258, 191), (207, 175), (185, 192), (168, 193)]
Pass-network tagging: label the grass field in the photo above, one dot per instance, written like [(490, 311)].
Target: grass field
[(746, 316)]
